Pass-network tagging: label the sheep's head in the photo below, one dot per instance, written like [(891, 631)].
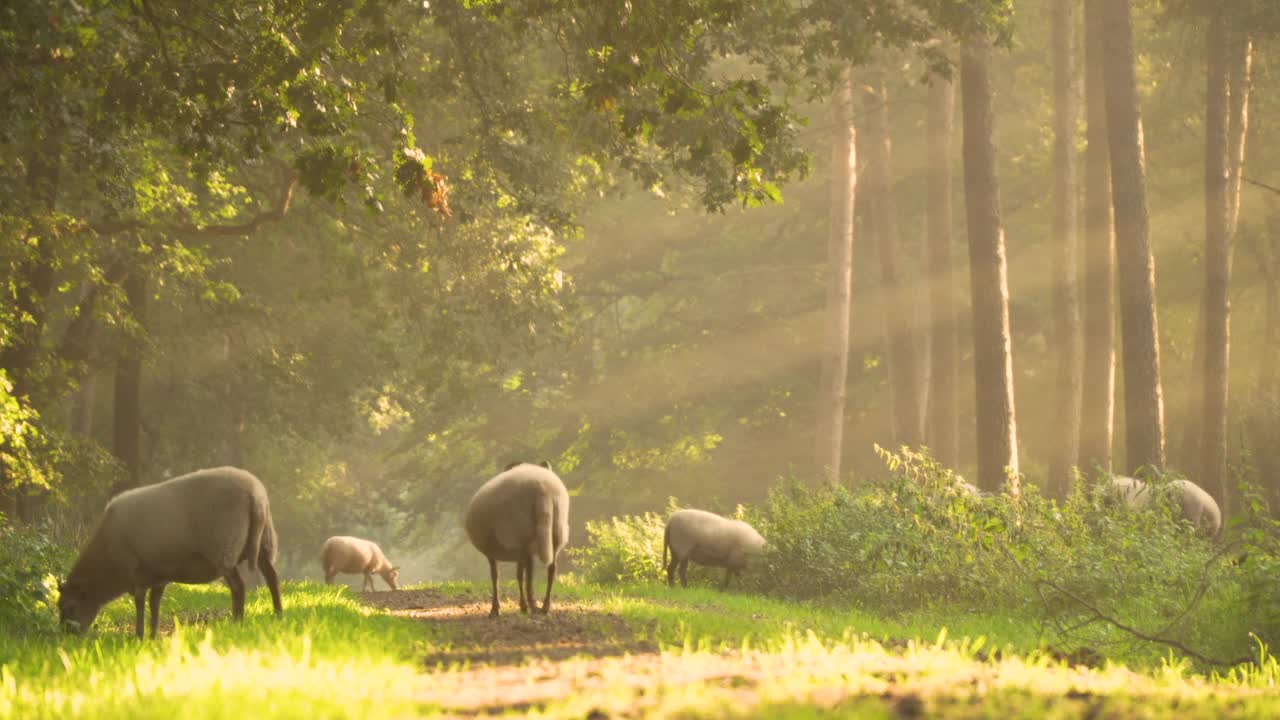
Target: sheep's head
[(755, 545), (392, 577), (76, 610)]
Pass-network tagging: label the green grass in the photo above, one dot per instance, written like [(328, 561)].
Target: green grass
[(722, 655)]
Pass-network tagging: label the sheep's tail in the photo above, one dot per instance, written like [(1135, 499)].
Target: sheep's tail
[(257, 527), (544, 513), (666, 543)]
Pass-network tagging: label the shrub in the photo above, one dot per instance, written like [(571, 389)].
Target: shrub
[(629, 549), (622, 549), (30, 558)]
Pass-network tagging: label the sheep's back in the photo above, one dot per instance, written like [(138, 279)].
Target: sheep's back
[(173, 525), (347, 554), (711, 537), (501, 516)]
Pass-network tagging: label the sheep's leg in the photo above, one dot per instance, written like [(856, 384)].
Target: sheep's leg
[(367, 586), (329, 574), (528, 584), (728, 575), (671, 570), (273, 581), (551, 578), (684, 572), (493, 580), (236, 583), (157, 591), (524, 579), (139, 604)]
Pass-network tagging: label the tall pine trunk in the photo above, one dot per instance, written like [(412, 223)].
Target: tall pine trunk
[(988, 279), (835, 356), (943, 416), (1217, 264), (904, 376), (1139, 332), (1226, 124), (1068, 343), (1097, 417)]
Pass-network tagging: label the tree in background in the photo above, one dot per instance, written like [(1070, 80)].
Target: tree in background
[(899, 326), (1068, 341), (988, 278), (1143, 399), (1097, 419), (835, 357), (944, 303)]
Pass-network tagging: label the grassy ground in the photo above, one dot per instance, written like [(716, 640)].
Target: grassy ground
[(632, 652)]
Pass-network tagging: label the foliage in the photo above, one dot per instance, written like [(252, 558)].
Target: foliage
[(30, 560), (1259, 567), (623, 549)]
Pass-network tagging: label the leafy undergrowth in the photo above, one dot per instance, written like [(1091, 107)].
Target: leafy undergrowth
[(640, 651)]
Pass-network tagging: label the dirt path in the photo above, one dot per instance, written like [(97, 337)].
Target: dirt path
[(580, 662), (571, 629)]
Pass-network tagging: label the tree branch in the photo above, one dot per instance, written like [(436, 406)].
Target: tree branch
[(190, 229), (1098, 615), (1260, 184)]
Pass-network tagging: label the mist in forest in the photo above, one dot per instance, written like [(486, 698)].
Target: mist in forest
[(380, 272)]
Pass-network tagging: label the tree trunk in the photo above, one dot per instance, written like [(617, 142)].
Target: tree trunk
[(127, 418), (1066, 295), (1139, 332), (1217, 264), (988, 279), (1241, 84), (904, 376), (835, 358), (1097, 417), (944, 417)]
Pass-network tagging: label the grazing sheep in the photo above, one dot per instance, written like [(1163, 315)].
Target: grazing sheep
[(1197, 505), (708, 539), (964, 487), (346, 554), (520, 513), (191, 529)]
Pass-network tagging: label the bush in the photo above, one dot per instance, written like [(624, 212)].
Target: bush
[(30, 559), (623, 549), (629, 549)]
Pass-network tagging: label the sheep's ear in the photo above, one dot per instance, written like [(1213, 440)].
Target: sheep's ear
[(545, 464), (395, 568), (510, 465)]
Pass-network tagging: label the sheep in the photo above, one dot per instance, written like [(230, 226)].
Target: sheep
[(518, 514), (708, 539), (964, 487), (194, 528), (346, 554), (1198, 506)]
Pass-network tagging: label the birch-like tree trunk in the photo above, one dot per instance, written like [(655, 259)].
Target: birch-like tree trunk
[(835, 356)]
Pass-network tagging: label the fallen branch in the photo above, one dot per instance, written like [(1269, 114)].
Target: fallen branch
[(1097, 615)]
